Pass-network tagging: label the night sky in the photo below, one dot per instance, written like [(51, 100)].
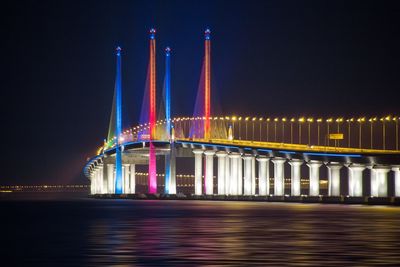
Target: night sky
[(289, 58)]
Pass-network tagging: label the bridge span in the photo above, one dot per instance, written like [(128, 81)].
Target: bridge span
[(242, 156)]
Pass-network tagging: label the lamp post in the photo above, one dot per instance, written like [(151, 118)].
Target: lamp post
[(240, 128), (387, 118), (360, 121), (260, 122), (349, 121), (275, 121), (396, 120), (309, 120), (283, 129), (233, 125), (301, 120), (338, 121), (246, 120), (371, 121), (318, 129), (328, 121), (267, 119), (291, 130), (253, 120)]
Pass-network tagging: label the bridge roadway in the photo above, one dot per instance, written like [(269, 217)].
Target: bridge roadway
[(236, 164)]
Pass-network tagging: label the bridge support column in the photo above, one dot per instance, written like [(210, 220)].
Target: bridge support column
[(105, 179), (263, 176), (93, 184), (92, 181), (355, 180), (380, 185), (396, 171), (373, 185), (314, 177), (209, 175), (334, 178), (198, 156), (227, 176), (221, 172), (170, 171), (132, 179), (100, 179), (110, 178), (234, 163), (279, 176), (239, 176), (125, 179), (295, 179), (248, 175), (172, 180), (253, 175)]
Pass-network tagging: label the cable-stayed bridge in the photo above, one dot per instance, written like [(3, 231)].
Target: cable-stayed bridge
[(241, 155)]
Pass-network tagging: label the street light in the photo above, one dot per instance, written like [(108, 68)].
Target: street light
[(267, 119), (260, 120), (254, 119), (371, 121), (349, 121), (318, 122), (240, 127), (383, 120), (283, 129), (360, 121), (233, 125), (338, 121), (396, 120), (246, 120), (275, 121), (309, 120), (328, 121), (301, 120), (291, 130)]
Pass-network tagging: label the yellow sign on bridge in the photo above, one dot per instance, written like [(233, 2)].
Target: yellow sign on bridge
[(336, 136)]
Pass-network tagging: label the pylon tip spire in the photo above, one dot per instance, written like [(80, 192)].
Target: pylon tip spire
[(152, 33), (207, 34)]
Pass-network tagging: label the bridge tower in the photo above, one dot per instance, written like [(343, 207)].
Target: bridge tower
[(118, 126), (170, 159), (207, 83), (152, 114)]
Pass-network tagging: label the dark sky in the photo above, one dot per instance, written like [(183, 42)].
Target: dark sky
[(268, 58)]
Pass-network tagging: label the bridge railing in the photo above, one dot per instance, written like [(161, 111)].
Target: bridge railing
[(358, 133)]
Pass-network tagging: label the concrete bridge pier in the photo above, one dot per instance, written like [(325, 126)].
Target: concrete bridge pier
[(381, 185), (240, 176), (295, 165), (132, 179), (279, 181), (334, 178), (396, 170), (125, 179), (355, 180), (234, 173), (198, 162), (227, 175), (221, 155), (209, 175), (248, 174), (263, 175), (314, 177), (170, 171)]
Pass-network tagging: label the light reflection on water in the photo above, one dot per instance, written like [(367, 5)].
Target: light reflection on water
[(238, 233), (171, 233)]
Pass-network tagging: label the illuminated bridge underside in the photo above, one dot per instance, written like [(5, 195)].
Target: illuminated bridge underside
[(244, 168)]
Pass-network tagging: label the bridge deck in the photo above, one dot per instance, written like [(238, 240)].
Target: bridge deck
[(295, 147)]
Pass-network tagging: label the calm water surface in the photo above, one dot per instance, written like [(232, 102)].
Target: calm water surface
[(88, 232)]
